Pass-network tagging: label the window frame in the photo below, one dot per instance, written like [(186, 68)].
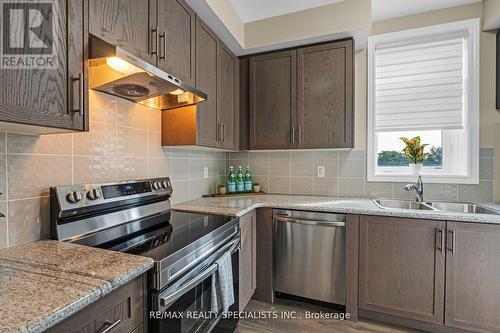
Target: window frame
[(471, 116)]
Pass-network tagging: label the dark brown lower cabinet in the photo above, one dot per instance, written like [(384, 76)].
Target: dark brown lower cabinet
[(402, 267), (247, 262), (125, 308), (473, 277)]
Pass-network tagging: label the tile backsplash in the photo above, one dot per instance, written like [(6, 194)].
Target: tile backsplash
[(124, 142), (294, 172)]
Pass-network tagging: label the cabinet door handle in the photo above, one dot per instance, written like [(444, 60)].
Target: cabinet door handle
[(441, 237), (108, 326), (453, 241), (163, 45), (293, 135), (78, 79), (153, 41)]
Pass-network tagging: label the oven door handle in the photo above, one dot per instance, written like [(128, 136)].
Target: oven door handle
[(175, 292)]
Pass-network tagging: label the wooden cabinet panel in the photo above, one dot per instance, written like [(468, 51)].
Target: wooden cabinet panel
[(227, 98), (273, 102), (247, 276), (325, 95), (206, 80), (473, 277), (124, 23), (40, 97), (176, 39), (402, 267), (126, 305)]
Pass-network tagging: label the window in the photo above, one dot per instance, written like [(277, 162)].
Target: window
[(425, 82)]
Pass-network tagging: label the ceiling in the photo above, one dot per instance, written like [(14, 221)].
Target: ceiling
[(255, 10), (387, 9)]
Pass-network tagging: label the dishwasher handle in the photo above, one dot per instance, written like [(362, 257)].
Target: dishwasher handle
[(310, 222)]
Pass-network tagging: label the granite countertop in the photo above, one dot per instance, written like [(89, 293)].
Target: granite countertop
[(44, 282), (240, 205)]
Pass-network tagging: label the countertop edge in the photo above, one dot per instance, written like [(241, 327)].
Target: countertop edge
[(100, 292)]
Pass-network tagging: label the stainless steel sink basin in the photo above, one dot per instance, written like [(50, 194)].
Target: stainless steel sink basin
[(462, 207), (401, 204), (454, 207)]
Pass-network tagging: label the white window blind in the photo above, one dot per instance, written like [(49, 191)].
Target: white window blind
[(421, 85)]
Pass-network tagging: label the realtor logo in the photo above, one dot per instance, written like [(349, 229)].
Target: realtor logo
[(28, 35)]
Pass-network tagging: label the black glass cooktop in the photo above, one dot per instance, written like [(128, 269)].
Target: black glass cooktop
[(179, 230)]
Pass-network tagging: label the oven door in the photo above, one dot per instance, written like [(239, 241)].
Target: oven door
[(185, 306)]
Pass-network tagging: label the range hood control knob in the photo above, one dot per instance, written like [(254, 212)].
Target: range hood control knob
[(74, 196), (94, 194)]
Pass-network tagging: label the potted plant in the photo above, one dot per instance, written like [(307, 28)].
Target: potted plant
[(221, 189), (414, 152), (256, 187)]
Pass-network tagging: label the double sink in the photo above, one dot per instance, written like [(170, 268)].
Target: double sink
[(450, 207)]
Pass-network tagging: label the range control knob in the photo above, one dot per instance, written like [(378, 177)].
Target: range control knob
[(165, 184), (156, 185), (94, 194), (74, 196)]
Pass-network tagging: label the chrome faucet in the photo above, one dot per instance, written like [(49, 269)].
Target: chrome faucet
[(417, 189)]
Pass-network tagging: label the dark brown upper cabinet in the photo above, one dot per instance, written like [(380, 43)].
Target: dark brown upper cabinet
[(214, 122), (129, 24), (273, 100), (302, 98), (402, 267), (473, 277), (325, 95), (176, 39), (207, 72), (46, 100)]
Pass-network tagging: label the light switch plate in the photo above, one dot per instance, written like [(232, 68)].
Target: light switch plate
[(321, 171), (205, 172)]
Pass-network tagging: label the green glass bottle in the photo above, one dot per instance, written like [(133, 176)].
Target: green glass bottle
[(240, 182), (248, 180), (231, 181)]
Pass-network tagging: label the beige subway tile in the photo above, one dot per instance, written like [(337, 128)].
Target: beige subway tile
[(302, 168), (131, 142), (4, 236), (352, 187), (181, 191), (279, 167), (131, 114), (302, 185), (28, 220), (195, 188), (279, 185), (180, 169), (159, 167), (131, 168), (42, 144), (155, 148), (154, 120), (195, 168), (3, 177), (93, 169), (32, 175), (326, 186), (100, 140), (102, 107)]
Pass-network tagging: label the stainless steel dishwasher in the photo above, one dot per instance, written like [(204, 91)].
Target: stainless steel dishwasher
[(309, 255)]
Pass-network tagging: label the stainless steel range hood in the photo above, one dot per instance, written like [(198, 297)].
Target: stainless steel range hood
[(117, 72)]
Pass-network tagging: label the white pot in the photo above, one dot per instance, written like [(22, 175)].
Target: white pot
[(415, 169)]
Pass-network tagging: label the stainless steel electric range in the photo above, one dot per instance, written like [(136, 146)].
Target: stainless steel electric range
[(136, 217)]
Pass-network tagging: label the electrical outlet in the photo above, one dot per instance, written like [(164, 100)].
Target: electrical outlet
[(321, 171), (205, 172)]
